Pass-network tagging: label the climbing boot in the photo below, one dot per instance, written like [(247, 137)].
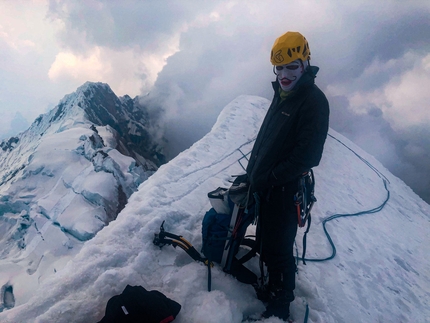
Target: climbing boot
[(280, 298)]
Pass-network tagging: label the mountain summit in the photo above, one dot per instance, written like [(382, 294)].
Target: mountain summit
[(130, 120), (70, 174)]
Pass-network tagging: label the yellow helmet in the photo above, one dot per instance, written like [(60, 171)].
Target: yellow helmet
[(288, 48)]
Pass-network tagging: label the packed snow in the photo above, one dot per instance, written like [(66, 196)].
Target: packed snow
[(381, 272)]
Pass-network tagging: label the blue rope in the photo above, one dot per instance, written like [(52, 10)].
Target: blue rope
[(306, 314), (336, 216)]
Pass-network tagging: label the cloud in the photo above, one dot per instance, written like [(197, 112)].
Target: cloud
[(127, 71), (14, 43), (362, 32), (129, 42), (85, 68), (214, 65), (380, 102), (124, 24), (401, 97), (193, 57), (12, 123), (26, 52), (406, 103)]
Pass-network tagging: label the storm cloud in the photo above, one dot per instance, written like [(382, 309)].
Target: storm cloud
[(188, 59)]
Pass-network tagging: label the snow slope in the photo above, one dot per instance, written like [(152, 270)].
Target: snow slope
[(381, 272)]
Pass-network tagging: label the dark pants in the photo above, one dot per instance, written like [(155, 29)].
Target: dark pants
[(278, 232)]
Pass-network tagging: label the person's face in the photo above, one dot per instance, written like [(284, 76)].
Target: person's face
[(289, 74)]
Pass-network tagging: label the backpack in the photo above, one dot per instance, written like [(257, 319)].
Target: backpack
[(224, 228)]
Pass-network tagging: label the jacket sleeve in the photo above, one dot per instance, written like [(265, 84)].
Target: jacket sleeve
[(313, 124)]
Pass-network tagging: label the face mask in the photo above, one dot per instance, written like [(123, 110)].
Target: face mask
[(289, 74)]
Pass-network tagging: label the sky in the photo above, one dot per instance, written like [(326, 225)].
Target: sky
[(380, 273), (188, 59)]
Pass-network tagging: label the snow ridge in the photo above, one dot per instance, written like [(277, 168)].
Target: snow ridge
[(380, 273)]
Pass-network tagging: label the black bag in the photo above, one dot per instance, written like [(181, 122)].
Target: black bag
[(137, 305)]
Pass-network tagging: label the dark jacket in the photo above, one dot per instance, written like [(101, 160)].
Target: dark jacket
[(292, 136)]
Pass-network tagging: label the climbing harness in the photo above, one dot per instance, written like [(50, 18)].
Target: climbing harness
[(305, 198)]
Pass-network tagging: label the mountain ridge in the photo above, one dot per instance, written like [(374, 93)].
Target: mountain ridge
[(380, 256), (70, 174)]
